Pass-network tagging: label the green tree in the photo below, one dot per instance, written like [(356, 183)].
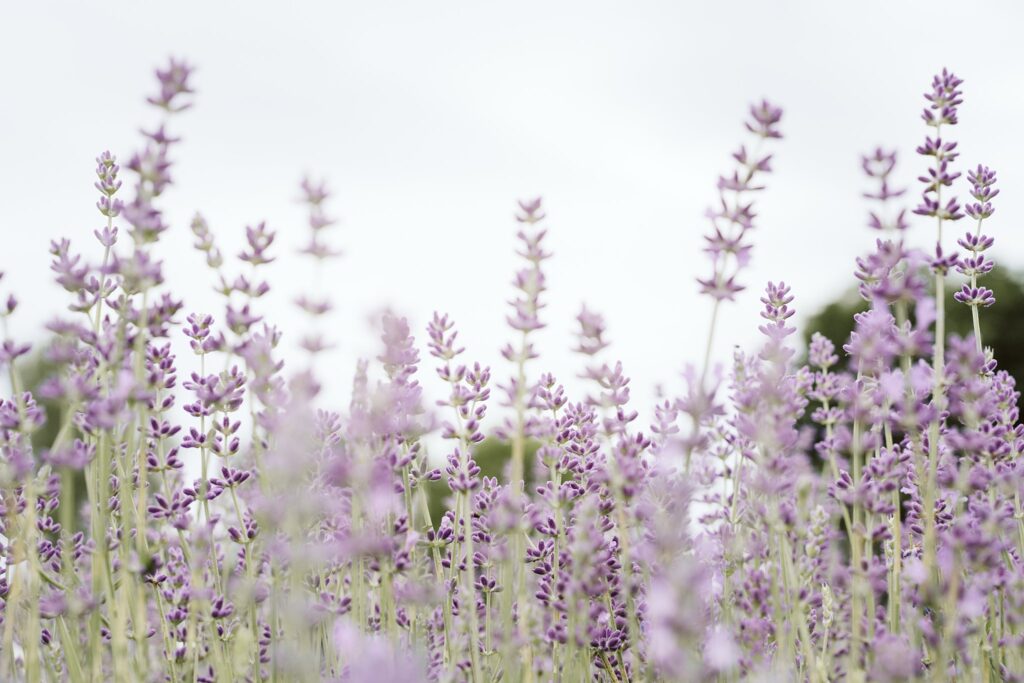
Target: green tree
[(1002, 325), (492, 456), (33, 371)]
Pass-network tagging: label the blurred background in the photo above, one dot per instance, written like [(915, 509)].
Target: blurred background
[(428, 121)]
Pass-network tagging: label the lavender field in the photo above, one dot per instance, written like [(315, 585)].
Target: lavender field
[(199, 485)]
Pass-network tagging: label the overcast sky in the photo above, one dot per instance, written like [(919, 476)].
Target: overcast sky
[(429, 119)]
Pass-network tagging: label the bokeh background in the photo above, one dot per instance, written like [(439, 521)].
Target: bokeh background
[(429, 119)]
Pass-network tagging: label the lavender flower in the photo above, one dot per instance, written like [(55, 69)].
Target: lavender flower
[(734, 217), (233, 528)]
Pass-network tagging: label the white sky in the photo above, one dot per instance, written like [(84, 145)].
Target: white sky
[(429, 119)]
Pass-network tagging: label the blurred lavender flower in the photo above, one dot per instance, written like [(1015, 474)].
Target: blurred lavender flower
[(245, 533)]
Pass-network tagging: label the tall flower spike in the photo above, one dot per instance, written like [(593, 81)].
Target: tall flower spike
[(983, 180), (727, 246), (314, 303), (879, 166), (944, 99), (734, 215), (152, 163), (525, 318)]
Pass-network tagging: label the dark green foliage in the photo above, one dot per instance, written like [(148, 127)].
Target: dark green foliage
[(33, 370), (1002, 325), (492, 456)]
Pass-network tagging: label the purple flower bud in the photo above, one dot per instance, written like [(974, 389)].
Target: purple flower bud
[(174, 83), (590, 338), (764, 120), (975, 296)]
